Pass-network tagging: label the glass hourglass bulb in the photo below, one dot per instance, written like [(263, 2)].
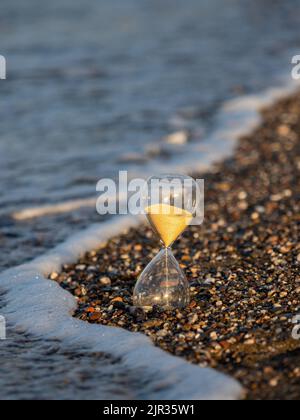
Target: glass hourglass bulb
[(169, 203)]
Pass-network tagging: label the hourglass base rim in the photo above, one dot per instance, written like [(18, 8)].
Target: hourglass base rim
[(166, 307)]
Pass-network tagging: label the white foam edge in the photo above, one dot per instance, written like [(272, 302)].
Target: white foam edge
[(42, 308)]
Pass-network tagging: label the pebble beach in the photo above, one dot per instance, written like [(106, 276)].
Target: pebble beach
[(242, 265)]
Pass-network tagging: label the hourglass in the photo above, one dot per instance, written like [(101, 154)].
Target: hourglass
[(170, 205)]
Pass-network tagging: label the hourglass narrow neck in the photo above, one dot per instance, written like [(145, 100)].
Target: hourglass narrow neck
[(165, 247)]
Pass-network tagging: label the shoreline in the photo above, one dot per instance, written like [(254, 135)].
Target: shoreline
[(239, 320)]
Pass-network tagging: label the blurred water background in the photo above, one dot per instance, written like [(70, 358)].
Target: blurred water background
[(95, 86)]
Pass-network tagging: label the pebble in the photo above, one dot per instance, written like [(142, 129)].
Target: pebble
[(242, 195), (152, 323), (136, 313), (80, 267), (95, 317), (117, 299), (105, 281), (193, 319), (255, 216), (162, 333), (250, 342), (273, 382), (214, 335)]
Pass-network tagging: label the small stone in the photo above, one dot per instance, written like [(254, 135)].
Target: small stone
[(162, 333), (95, 317), (255, 216), (117, 299), (285, 249), (243, 205), (250, 342), (192, 304), (90, 310), (283, 130), (296, 372), (268, 370), (225, 344), (214, 335), (209, 280), (152, 323), (276, 197), (137, 313), (242, 195), (80, 267), (224, 186), (92, 268), (105, 281), (193, 319), (273, 382)]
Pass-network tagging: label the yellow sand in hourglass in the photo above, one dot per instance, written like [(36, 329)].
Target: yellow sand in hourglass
[(168, 221)]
